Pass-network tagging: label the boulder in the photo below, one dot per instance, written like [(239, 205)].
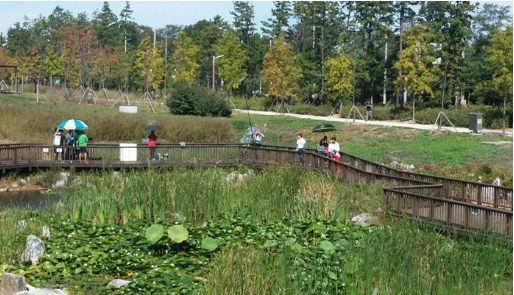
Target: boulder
[(34, 248), (118, 283), (12, 284), (364, 219)]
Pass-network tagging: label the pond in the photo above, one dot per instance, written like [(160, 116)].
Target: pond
[(32, 200)]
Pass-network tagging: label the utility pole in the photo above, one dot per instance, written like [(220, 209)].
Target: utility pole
[(214, 58), (384, 96), (165, 63)]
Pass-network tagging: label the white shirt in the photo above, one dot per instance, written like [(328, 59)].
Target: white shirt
[(300, 143), (333, 148)]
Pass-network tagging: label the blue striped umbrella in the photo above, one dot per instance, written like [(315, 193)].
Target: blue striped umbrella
[(72, 125)]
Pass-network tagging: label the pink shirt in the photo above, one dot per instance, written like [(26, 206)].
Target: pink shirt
[(152, 140)]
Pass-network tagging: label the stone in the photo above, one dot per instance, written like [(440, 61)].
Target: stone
[(34, 248), (364, 219), (12, 284), (118, 283), (45, 231), (31, 290), (20, 226)]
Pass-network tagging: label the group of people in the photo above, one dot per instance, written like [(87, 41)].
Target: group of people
[(329, 149), (73, 139), (324, 148)]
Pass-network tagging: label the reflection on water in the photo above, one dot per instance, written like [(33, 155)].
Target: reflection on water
[(27, 200)]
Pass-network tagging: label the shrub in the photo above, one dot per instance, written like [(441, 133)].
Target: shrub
[(197, 101)]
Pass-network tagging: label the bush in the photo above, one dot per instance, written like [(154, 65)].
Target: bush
[(197, 101)]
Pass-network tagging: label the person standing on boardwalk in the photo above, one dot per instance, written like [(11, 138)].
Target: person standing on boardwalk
[(70, 142), (82, 141), (300, 148), (58, 141), (333, 149), (258, 138), (369, 111), (152, 143)]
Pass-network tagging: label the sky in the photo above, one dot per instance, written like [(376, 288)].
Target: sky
[(154, 14)]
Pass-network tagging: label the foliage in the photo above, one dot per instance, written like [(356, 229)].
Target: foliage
[(501, 61), (340, 75), (184, 60), (416, 65), (197, 101), (318, 256), (231, 66), (150, 65), (280, 73)]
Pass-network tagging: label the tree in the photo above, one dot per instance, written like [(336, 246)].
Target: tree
[(243, 20), (277, 25), (417, 64), (501, 60), (105, 23), (340, 74), (183, 61), (450, 26), (231, 66), (149, 64), (281, 74), (52, 64)]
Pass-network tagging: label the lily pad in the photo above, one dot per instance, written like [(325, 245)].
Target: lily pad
[(154, 233), (209, 244), (327, 246), (178, 233)]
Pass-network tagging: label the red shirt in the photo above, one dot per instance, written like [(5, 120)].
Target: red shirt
[(152, 140)]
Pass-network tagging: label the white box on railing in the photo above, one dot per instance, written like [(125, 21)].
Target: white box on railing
[(128, 152)]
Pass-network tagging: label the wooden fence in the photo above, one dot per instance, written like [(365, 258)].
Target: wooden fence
[(451, 202)]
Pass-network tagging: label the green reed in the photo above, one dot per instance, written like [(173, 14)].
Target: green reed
[(412, 260), (202, 194)]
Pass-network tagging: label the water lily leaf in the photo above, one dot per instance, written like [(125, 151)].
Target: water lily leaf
[(297, 248), (48, 266), (327, 246), (269, 244), (154, 233), (209, 244), (290, 242), (342, 243), (178, 233)]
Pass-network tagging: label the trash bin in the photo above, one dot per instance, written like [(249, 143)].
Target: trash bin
[(128, 152), (475, 122)]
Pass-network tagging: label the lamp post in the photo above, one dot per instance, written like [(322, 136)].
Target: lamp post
[(214, 58)]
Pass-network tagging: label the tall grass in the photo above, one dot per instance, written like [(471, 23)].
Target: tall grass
[(412, 260), (15, 225), (202, 194), (403, 260)]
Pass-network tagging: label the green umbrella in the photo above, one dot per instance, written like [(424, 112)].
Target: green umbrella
[(324, 128)]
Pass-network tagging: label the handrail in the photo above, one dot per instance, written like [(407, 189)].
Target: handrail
[(461, 194)]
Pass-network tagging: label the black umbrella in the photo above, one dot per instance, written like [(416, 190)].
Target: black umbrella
[(153, 128), (324, 128)]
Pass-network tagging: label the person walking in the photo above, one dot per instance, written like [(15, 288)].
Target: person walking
[(300, 148), (82, 141), (152, 143), (369, 111), (334, 149)]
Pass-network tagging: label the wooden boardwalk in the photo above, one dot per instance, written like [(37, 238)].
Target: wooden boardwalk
[(451, 202)]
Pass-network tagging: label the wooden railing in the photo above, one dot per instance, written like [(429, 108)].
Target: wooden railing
[(453, 202)]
